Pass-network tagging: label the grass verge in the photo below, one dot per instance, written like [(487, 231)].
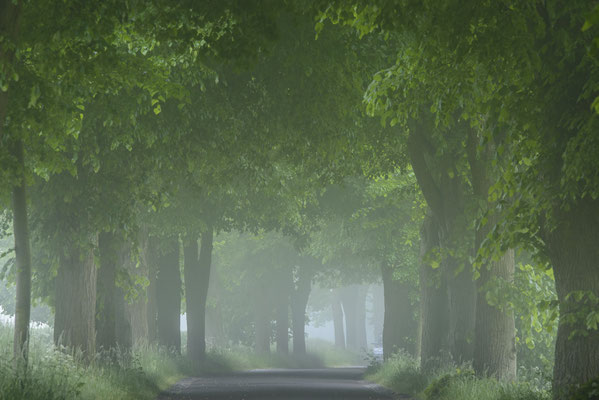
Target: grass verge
[(402, 374)]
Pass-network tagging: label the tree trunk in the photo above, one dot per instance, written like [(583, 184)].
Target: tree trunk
[(434, 310), (9, 23), (444, 190), (399, 327), (461, 293), (197, 279), (136, 308), (573, 250), (354, 307), (106, 291), (495, 331), (495, 342), (23, 262), (378, 313), (284, 286), (150, 256), (75, 308), (338, 322), (168, 296), (361, 318), (262, 329), (299, 302)]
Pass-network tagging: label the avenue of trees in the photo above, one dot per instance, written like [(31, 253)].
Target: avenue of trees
[(446, 149)]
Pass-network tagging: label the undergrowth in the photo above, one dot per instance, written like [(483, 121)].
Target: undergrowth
[(402, 374)]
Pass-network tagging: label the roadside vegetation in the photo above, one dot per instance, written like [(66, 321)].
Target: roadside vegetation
[(140, 373), (402, 374)]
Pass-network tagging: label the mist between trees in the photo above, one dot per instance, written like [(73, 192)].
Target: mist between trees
[(222, 159)]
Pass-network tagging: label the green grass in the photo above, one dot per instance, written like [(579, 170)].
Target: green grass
[(55, 375), (402, 374)]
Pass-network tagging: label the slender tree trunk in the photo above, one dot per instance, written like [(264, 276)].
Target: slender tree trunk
[(299, 302), (574, 252), (197, 279), (399, 328), (9, 28), (434, 310), (23, 262), (106, 291), (74, 318), (168, 296), (150, 256), (378, 313), (338, 322)]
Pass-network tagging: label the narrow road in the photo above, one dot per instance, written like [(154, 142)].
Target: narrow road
[(294, 384)]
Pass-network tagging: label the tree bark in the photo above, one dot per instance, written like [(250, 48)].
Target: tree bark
[(573, 251), (399, 327), (284, 286), (353, 299), (495, 331), (75, 308), (262, 330), (495, 341), (197, 278), (150, 257), (106, 291), (299, 302), (434, 310), (168, 296), (23, 263), (461, 293), (9, 28), (338, 322), (444, 191)]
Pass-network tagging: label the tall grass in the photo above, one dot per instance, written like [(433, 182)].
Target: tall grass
[(55, 375), (402, 374)]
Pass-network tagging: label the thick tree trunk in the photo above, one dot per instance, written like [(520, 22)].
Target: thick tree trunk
[(354, 307), (75, 308), (378, 313), (168, 296), (106, 291), (299, 302), (461, 293), (444, 189), (434, 310), (574, 252), (495, 331), (338, 322), (495, 342), (23, 263), (284, 284), (399, 328), (197, 279), (361, 318), (262, 330), (136, 308)]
